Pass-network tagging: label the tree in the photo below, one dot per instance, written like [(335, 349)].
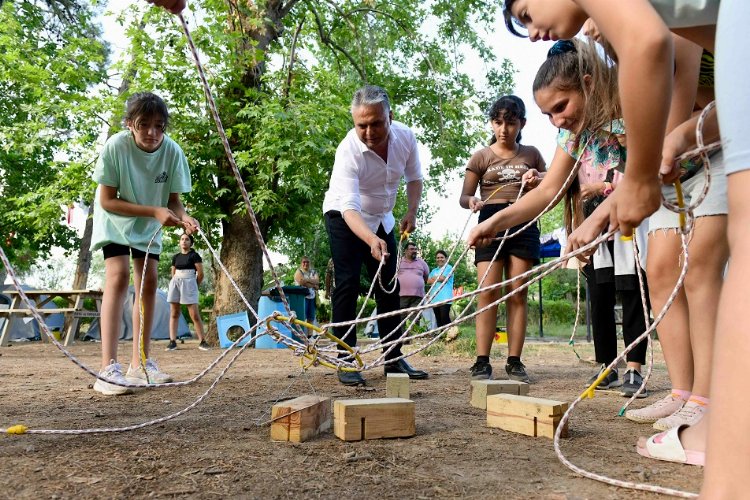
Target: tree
[(283, 74), (51, 56)]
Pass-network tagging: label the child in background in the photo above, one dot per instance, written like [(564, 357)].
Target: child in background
[(187, 274), (141, 173), (498, 170)]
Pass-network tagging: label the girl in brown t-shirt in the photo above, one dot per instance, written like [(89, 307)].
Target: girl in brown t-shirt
[(499, 170)]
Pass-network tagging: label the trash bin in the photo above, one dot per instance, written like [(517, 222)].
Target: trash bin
[(270, 301)]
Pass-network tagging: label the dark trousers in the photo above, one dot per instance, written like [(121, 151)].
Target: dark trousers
[(349, 253), (442, 314), (603, 297)]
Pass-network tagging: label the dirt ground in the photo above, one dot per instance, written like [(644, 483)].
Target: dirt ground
[(217, 450)]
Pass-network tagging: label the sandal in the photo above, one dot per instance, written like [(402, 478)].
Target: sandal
[(667, 446)]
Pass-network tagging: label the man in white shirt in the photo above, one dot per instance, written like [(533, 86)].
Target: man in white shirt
[(358, 209)]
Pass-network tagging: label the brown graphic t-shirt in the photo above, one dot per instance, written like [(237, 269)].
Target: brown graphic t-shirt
[(495, 172)]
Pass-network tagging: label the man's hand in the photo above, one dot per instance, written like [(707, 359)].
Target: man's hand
[(408, 223), (173, 6), (378, 248), (531, 178), (166, 217), (475, 204), (632, 202)]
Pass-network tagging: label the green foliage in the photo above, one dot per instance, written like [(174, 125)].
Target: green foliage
[(51, 56), (561, 285), (285, 118)]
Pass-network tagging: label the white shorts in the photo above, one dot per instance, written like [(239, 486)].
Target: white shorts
[(183, 288), (715, 202)]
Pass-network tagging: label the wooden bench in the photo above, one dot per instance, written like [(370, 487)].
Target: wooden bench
[(73, 312)]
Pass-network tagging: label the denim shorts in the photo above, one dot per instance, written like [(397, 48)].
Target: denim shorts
[(524, 245), (715, 202)]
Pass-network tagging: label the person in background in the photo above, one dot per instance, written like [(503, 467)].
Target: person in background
[(412, 274), (308, 277), (442, 278), (187, 274)]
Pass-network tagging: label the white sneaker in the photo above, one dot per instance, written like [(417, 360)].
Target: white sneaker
[(665, 407), (113, 372), (690, 414), (137, 375)]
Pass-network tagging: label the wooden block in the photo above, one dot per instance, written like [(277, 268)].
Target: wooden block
[(301, 418), (397, 385), (358, 419), (526, 415), (480, 389)]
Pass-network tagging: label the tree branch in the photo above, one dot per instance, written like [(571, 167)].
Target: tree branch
[(326, 39)]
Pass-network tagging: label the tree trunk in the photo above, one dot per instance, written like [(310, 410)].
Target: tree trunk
[(241, 255), (81, 278)]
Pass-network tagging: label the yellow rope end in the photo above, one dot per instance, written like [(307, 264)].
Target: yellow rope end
[(680, 202), (589, 393), (17, 429)]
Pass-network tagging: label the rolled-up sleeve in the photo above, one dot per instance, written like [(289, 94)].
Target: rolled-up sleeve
[(345, 177), (413, 169)]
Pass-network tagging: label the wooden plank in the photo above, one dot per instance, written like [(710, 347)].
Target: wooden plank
[(480, 389), (300, 419), (397, 385), (358, 419), (27, 312), (525, 415)]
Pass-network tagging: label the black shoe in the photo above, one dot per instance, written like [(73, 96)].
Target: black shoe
[(351, 378), (203, 346), (401, 366), (517, 371), (631, 382), (481, 370), (171, 346), (609, 382)]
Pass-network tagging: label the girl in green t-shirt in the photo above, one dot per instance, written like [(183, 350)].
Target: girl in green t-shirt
[(140, 174)]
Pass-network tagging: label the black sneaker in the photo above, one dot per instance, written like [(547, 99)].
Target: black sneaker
[(517, 371), (203, 346), (631, 382), (171, 346), (481, 370), (610, 381)]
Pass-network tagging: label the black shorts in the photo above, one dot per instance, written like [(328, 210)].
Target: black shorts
[(115, 250), (524, 245)]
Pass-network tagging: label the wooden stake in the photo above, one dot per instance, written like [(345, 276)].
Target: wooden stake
[(358, 419), (480, 389), (525, 415), (300, 419), (397, 385)]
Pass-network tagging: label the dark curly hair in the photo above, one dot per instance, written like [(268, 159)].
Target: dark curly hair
[(508, 107)]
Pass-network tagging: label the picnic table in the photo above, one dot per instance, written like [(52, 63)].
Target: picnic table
[(73, 312)]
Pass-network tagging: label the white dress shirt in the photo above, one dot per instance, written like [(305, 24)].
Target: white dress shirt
[(362, 181)]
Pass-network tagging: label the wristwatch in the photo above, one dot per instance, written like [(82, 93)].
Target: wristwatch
[(607, 189)]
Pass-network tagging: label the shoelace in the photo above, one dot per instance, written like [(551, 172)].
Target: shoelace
[(688, 412)]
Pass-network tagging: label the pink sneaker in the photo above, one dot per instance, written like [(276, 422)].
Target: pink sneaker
[(690, 414), (658, 410)]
